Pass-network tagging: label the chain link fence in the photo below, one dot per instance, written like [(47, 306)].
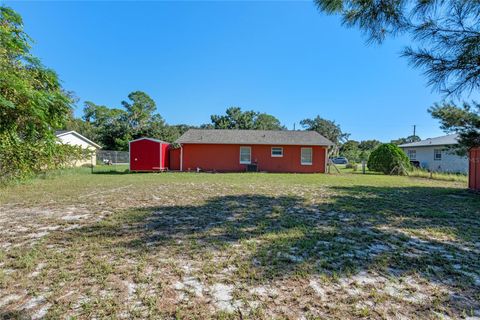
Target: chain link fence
[(108, 157), (109, 161)]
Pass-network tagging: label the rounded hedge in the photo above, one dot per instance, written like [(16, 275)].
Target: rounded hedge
[(388, 158)]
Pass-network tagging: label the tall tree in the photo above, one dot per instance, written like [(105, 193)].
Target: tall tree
[(140, 110), (85, 128), (327, 128), (32, 103), (446, 45), (114, 128), (265, 121), (350, 150), (464, 120), (171, 133), (408, 139), (111, 126), (357, 151), (446, 34), (235, 118), (368, 145)]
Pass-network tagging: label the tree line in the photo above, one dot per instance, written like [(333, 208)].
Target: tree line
[(113, 128), (33, 104), (444, 43), (137, 117)]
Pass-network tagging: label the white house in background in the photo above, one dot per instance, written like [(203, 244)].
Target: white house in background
[(434, 154), (76, 139)]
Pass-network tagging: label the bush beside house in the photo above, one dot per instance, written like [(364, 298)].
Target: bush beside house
[(389, 159)]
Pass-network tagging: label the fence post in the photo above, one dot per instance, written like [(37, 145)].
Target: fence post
[(363, 166)]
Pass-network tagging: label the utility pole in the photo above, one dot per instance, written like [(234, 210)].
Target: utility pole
[(414, 130), (294, 126)]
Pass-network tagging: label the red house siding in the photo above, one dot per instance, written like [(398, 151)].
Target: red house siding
[(174, 159), (226, 158), (474, 170), (148, 155), (165, 160)]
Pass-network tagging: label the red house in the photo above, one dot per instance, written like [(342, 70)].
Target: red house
[(474, 169), (148, 154), (250, 150)]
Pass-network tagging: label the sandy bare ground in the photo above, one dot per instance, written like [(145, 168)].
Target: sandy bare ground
[(242, 249)]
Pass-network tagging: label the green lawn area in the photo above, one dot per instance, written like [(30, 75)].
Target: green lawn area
[(243, 246)]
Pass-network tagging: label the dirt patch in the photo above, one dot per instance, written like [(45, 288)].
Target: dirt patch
[(283, 246)]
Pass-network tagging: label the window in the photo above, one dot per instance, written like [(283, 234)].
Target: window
[(437, 154), (245, 155), (306, 156), (412, 154), (277, 152)]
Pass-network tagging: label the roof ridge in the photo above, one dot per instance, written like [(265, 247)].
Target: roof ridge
[(245, 136)]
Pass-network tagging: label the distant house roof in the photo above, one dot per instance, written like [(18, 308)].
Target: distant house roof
[(450, 139), (279, 137), (61, 133)]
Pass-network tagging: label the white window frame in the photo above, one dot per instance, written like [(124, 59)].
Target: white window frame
[(249, 153), (435, 152), (311, 157), (276, 155), (410, 152)]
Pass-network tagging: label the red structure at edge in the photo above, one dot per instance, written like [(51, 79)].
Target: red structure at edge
[(148, 154), (474, 170)]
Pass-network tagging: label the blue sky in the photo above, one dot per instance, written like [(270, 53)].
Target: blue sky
[(198, 58)]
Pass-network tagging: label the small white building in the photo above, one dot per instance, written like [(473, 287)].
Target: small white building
[(76, 139), (435, 154)]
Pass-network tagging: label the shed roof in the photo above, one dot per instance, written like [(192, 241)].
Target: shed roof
[(450, 139), (151, 139), (270, 137)]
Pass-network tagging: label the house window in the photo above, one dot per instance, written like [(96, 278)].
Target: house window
[(412, 154), (277, 152), (306, 156), (437, 154), (245, 155)]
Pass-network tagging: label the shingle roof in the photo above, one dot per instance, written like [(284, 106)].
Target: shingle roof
[(270, 137), (438, 141)]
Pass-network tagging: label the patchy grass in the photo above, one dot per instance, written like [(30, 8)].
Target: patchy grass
[(228, 246), (415, 172), (445, 176)]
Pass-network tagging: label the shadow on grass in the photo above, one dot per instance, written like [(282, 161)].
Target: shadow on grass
[(394, 231), (15, 315), (112, 172)]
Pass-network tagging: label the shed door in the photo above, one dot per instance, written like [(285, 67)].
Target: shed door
[(145, 155)]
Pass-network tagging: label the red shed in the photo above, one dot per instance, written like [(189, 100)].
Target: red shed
[(474, 170), (147, 154), (256, 150)]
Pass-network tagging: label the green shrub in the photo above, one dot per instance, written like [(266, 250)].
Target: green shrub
[(20, 159), (389, 159), (32, 105)]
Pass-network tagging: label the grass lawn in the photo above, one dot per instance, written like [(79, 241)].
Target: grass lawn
[(247, 246)]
